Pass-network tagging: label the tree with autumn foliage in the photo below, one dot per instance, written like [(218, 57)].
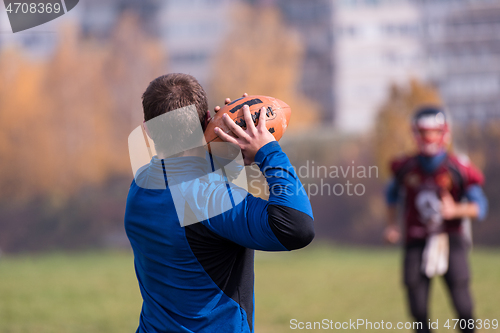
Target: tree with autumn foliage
[(262, 56), (393, 134), (70, 115), (64, 123)]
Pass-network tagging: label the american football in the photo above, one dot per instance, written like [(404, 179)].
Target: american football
[(277, 116)]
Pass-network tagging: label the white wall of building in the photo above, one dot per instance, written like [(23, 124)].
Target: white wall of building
[(192, 31), (377, 43)]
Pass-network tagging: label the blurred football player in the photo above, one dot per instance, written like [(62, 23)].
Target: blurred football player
[(439, 193)]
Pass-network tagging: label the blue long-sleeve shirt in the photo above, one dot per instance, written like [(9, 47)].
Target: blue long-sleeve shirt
[(199, 278)]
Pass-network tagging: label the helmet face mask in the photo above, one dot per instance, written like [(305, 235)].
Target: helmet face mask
[(431, 131)]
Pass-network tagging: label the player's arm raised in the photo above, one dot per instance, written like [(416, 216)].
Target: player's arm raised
[(285, 221)]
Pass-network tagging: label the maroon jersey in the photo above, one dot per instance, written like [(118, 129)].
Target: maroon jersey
[(423, 190)]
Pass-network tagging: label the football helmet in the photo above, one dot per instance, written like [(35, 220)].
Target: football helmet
[(431, 130)]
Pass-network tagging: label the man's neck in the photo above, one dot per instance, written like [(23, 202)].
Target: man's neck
[(431, 163), (196, 152)]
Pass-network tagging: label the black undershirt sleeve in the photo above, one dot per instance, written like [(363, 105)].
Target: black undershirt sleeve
[(293, 228)]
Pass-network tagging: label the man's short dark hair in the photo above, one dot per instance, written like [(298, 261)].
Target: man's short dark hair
[(177, 132), (173, 91)]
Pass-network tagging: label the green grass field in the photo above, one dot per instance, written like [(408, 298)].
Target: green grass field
[(98, 292)]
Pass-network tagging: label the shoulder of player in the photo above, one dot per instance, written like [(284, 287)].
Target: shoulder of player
[(460, 159), (462, 162), (464, 165)]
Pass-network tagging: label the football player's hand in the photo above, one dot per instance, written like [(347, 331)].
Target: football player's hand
[(251, 139), (226, 102), (449, 208), (392, 234)]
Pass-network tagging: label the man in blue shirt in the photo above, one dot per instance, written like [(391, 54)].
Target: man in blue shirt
[(199, 277)]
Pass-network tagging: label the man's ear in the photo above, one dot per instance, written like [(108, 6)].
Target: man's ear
[(207, 119)]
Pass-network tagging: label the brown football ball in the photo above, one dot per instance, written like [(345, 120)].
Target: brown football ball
[(277, 116)]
